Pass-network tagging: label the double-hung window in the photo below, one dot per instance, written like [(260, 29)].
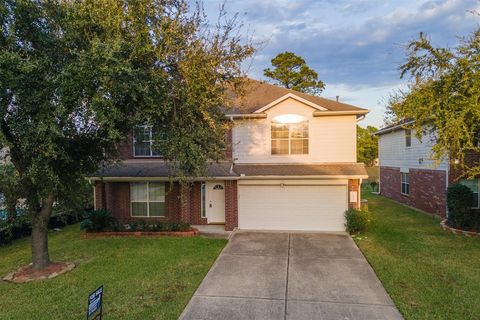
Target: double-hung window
[(289, 138), (405, 183), (147, 199), (474, 186), (408, 137), (144, 143)]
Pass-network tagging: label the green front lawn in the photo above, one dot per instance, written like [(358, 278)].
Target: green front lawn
[(429, 273), (143, 278)]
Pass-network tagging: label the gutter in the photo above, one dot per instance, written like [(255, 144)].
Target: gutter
[(241, 177), (395, 127), (339, 113), (241, 116)]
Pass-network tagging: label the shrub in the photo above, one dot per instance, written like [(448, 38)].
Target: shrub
[(357, 220), (97, 221), (459, 202)]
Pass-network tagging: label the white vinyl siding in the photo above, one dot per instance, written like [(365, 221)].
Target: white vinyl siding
[(147, 199), (306, 207), (392, 152), (330, 139)]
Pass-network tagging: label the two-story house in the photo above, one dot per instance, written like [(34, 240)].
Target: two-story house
[(409, 175), (290, 165)]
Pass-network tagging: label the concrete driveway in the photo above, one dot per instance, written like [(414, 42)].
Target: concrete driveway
[(266, 275)]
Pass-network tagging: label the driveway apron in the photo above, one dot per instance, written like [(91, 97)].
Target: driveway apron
[(275, 275)]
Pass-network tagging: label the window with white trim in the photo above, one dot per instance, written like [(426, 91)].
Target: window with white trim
[(147, 199), (474, 186), (143, 142), (405, 183), (289, 138), (408, 137)]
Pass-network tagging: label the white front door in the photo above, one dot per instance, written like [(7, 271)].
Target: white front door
[(215, 199)]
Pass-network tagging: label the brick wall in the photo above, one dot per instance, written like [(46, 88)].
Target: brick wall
[(354, 185), (196, 204), (231, 205), (126, 148), (427, 188), (471, 159), (178, 208)]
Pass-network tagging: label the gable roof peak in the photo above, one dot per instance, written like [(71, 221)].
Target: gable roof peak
[(260, 94)]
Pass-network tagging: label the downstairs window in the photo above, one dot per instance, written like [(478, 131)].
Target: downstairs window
[(147, 199), (405, 183)]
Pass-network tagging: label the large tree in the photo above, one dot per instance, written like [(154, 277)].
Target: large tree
[(367, 145), (76, 76), (292, 72), (443, 98)]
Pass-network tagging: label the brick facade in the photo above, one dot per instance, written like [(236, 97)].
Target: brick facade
[(427, 188), (125, 149), (182, 203), (231, 205), (354, 185)]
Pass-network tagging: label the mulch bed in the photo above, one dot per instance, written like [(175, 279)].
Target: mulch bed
[(27, 273), (191, 233), (446, 227)]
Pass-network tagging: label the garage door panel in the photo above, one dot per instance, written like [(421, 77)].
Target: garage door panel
[(316, 208)]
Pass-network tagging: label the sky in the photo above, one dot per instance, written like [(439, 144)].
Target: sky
[(356, 46)]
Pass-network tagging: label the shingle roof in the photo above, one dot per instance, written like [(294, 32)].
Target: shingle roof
[(156, 168), (159, 169), (259, 94), (344, 169)]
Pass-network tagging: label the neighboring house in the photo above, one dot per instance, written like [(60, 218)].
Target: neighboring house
[(409, 175), (290, 165)]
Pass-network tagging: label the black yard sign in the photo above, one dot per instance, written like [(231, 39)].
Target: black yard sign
[(95, 304)]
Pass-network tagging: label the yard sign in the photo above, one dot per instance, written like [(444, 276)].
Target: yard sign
[(95, 304)]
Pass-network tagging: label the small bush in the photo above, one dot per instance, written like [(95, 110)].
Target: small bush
[(459, 202), (357, 220), (143, 225), (97, 221)]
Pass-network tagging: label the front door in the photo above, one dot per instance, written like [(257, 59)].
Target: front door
[(215, 201)]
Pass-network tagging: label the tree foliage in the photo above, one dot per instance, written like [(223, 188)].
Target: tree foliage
[(367, 145), (443, 98), (76, 76), (292, 72)]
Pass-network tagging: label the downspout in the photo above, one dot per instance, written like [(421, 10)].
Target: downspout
[(447, 172)]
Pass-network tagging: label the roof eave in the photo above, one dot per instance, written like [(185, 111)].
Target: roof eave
[(340, 113), (393, 128)]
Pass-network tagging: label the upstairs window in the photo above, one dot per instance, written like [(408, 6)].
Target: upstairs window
[(289, 135), (143, 142), (408, 137), (405, 183)]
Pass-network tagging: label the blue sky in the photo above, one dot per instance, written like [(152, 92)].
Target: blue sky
[(356, 46)]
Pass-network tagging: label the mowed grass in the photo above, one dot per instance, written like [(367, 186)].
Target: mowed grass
[(429, 273), (143, 278)]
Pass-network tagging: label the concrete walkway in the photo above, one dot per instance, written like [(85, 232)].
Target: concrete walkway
[(266, 275)]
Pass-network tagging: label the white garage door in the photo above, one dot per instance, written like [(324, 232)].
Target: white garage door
[(292, 207)]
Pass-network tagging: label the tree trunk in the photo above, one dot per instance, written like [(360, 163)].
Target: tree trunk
[(11, 211), (40, 256)]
